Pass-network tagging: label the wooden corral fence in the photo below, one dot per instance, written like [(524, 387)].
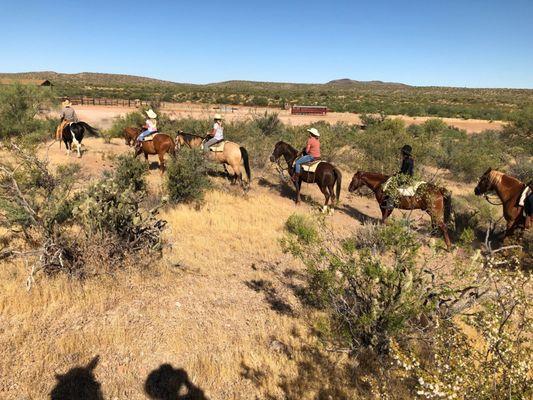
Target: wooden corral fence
[(309, 110), (102, 101)]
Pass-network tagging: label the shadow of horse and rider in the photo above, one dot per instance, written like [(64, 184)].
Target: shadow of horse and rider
[(163, 383)]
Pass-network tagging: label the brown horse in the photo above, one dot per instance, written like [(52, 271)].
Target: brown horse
[(160, 145), (434, 200), (508, 190), (130, 134), (325, 176), (233, 156)]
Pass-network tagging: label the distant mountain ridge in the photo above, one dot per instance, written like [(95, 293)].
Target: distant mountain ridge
[(122, 79)]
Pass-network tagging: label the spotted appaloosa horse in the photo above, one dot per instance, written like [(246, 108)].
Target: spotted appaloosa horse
[(73, 134), (509, 190), (434, 200)]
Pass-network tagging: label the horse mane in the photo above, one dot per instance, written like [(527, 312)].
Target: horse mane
[(496, 177), (374, 175), (189, 135)]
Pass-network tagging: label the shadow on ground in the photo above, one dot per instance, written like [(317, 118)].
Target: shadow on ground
[(79, 383), (169, 383)]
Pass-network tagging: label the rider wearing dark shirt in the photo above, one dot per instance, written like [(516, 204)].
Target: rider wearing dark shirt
[(407, 168), (408, 163)]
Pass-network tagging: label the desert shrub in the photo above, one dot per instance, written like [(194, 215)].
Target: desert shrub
[(130, 173), (82, 232), (522, 169), (472, 213), (483, 355), (134, 119), (302, 227), (370, 120), (186, 178), (370, 298), (471, 155), (269, 124), (19, 107)]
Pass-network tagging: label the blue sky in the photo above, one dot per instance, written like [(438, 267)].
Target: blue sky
[(470, 43)]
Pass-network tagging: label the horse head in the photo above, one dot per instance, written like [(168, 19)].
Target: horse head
[(357, 182), (485, 183), (283, 149)]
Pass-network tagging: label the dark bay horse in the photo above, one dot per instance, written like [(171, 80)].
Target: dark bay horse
[(434, 200), (325, 176), (130, 134), (233, 156), (160, 145), (509, 190), (74, 132)]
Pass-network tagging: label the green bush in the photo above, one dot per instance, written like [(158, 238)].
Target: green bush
[(269, 124), (130, 173), (186, 177), (19, 107), (134, 119), (303, 228)]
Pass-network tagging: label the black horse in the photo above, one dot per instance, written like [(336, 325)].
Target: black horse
[(73, 133), (325, 176)]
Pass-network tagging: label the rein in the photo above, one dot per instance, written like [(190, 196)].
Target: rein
[(490, 202)]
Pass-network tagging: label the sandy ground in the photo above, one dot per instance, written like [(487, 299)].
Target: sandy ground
[(103, 116), (221, 304)]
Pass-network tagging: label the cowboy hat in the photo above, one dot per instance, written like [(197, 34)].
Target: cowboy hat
[(217, 116), (151, 114), (314, 132), (66, 103)]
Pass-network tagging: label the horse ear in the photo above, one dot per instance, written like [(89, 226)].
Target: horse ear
[(94, 362)]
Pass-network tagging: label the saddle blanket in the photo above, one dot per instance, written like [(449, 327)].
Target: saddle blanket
[(311, 166), (218, 147), (407, 191), (150, 137)]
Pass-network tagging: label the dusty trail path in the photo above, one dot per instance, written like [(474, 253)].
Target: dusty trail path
[(221, 304), (103, 116)]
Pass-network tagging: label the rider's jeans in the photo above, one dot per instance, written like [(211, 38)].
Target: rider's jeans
[(302, 160)]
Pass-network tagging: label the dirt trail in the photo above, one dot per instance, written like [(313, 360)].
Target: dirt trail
[(103, 116)]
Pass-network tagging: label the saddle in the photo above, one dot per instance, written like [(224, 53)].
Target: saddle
[(310, 166), (218, 147), (150, 137), (406, 191)]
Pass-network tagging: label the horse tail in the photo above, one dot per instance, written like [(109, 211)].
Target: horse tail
[(89, 128), (338, 178), (447, 205), (173, 148), (246, 162)]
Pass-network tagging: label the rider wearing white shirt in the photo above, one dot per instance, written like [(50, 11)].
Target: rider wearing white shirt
[(216, 134)]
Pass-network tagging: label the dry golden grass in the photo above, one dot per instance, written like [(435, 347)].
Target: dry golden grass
[(220, 304)]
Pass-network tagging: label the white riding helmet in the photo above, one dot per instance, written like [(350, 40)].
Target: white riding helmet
[(314, 132), (151, 114)]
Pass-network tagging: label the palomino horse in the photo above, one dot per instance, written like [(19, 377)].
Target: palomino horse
[(434, 200), (233, 155), (509, 190), (160, 144), (325, 176), (130, 134), (73, 133)]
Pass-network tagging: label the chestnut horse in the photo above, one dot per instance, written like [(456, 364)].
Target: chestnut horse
[(509, 190), (234, 156), (130, 134), (434, 200), (325, 176), (160, 145)]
